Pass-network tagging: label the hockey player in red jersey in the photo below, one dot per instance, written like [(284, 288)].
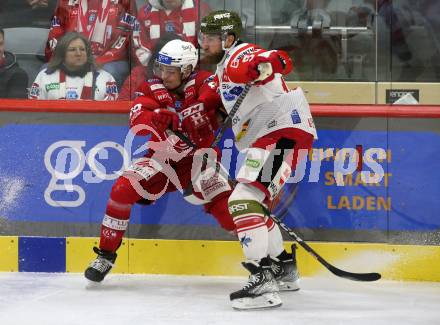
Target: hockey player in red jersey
[(274, 129), (180, 99)]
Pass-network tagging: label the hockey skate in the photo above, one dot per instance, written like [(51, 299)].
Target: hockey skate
[(101, 266), (285, 270), (261, 290)]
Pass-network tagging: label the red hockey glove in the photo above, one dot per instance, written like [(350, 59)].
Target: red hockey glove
[(163, 119), (197, 126), (262, 69)]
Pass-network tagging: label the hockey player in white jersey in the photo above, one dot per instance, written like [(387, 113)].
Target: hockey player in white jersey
[(274, 129)]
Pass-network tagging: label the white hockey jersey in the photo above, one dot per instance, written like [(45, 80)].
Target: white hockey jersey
[(267, 107), (58, 85)]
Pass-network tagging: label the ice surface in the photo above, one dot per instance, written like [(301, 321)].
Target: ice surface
[(64, 299)]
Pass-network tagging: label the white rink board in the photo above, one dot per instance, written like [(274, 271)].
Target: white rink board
[(68, 299)]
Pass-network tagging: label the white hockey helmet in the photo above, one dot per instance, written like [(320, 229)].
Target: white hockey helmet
[(178, 53)]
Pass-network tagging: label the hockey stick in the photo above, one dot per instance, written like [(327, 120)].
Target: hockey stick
[(364, 277), (189, 189)]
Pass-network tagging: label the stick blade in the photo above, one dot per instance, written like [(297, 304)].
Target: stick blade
[(363, 277)]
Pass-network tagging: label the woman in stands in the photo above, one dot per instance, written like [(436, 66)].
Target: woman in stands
[(72, 73)]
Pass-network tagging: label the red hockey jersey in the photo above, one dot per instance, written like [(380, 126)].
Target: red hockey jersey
[(107, 24)]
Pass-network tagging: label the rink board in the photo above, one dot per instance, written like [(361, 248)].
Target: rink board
[(198, 257), (68, 163)]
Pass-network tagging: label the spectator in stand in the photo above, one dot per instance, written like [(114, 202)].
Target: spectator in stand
[(72, 73), (140, 74), (107, 24), (158, 17), (13, 80)]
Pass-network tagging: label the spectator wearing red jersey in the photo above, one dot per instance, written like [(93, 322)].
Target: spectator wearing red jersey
[(158, 17), (107, 24)]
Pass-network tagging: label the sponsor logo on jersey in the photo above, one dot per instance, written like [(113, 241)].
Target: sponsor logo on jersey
[(111, 88), (253, 163), (237, 90), (211, 186), (178, 104), (228, 97), (190, 93), (72, 94), (156, 87), (92, 17), (153, 80), (109, 233), (238, 207), (164, 96), (243, 131), (272, 124), (35, 90), (235, 120), (233, 93), (273, 189), (236, 61), (115, 224), (169, 27), (296, 119), (128, 19), (52, 86)]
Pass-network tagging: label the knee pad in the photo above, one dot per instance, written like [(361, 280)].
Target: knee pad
[(123, 192), (245, 206)]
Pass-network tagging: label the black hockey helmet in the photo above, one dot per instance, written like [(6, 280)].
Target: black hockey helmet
[(222, 22)]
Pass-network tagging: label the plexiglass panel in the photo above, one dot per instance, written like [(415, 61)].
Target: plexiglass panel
[(382, 42)]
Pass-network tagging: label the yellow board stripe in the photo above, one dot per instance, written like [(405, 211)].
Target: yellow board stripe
[(199, 257), (9, 254)]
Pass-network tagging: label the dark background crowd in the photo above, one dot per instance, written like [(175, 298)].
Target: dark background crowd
[(329, 40)]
